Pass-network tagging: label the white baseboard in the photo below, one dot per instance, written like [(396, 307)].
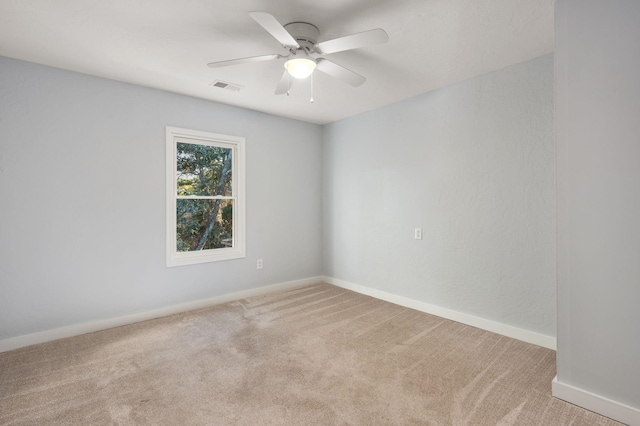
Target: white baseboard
[(89, 327), (596, 403), (495, 327)]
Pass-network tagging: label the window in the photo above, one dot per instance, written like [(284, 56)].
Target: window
[(205, 197)]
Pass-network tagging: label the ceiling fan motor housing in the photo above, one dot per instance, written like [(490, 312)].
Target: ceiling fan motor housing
[(304, 33)]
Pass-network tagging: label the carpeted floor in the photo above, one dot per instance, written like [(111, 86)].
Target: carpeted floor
[(318, 355)]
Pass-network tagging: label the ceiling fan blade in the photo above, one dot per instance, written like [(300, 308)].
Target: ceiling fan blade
[(230, 62), (353, 41), (273, 27), (285, 84), (339, 72)]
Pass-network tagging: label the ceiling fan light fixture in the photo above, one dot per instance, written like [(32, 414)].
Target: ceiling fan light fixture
[(300, 67)]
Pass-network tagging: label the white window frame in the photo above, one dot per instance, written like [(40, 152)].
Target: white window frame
[(236, 144)]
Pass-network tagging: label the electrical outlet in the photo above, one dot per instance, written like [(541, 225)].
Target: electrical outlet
[(259, 264), (417, 234)]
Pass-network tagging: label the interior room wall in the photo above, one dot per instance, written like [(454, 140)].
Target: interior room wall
[(598, 169), (82, 193), (472, 165)]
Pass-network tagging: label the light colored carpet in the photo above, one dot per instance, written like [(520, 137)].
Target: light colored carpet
[(318, 355)]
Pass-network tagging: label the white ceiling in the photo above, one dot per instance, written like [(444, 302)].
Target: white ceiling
[(166, 44)]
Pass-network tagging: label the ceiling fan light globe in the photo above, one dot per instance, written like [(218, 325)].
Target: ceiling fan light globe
[(300, 67)]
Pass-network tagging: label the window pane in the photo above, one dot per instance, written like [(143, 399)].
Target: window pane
[(203, 224), (203, 170)]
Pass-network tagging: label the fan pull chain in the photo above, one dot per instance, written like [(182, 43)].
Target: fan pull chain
[(288, 83), (311, 100)]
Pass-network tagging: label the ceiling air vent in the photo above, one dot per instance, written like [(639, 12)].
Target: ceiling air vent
[(226, 85)]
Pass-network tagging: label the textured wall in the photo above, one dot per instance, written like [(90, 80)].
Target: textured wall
[(82, 199), (471, 164), (598, 136)]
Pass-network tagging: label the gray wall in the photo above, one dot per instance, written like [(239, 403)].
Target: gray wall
[(82, 190), (471, 164), (598, 169), (82, 193)]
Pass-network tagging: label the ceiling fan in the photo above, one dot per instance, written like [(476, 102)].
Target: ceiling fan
[(305, 54)]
